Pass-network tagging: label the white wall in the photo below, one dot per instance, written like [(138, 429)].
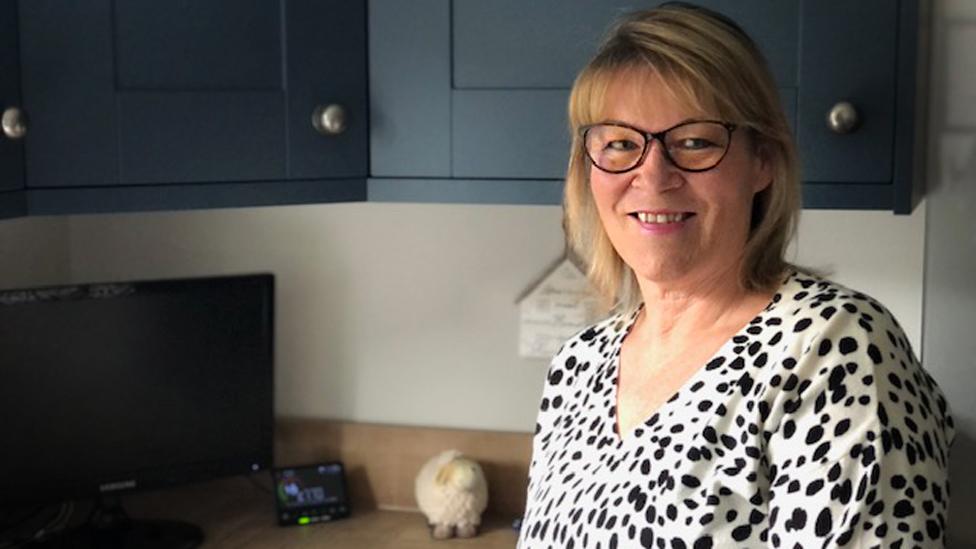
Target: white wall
[(405, 313), (950, 269), (386, 312), (33, 251)]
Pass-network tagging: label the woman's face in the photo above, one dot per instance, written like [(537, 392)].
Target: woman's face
[(715, 206)]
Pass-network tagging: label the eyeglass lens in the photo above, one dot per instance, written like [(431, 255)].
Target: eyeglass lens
[(693, 146)]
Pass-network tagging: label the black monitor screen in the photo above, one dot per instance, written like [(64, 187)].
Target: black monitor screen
[(127, 386)]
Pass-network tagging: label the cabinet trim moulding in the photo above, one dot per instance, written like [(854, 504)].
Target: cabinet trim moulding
[(138, 198), (466, 191)]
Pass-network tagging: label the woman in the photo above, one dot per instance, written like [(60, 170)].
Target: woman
[(733, 401)]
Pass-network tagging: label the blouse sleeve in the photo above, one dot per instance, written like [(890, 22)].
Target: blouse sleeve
[(561, 375), (858, 451)]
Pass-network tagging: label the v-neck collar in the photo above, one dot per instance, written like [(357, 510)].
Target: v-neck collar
[(612, 372)]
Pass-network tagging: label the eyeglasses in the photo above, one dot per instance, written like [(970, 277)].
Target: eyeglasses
[(693, 146)]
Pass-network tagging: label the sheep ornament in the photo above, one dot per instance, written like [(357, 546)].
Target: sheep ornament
[(452, 492)]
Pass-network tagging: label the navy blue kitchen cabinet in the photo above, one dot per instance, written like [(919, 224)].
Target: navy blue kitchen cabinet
[(468, 98), (11, 146), (145, 105)]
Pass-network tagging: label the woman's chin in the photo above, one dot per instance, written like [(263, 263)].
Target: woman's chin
[(669, 272), (678, 274)]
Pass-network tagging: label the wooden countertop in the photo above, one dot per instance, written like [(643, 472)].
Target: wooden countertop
[(240, 513), (382, 461)]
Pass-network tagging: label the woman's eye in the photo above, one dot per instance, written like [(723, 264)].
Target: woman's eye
[(694, 143), (621, 145)]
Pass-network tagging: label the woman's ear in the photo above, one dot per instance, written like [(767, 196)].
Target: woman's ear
[(763, 162)]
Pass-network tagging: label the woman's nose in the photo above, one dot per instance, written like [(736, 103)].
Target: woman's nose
[(657, 170)]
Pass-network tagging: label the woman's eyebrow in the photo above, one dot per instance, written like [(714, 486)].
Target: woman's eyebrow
[(616, 121), (678, 123)]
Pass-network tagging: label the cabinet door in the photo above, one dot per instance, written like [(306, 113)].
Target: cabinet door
[(514, 62), (135, 92), (496, 76), (847, 54), (496, 79), (11, 150)]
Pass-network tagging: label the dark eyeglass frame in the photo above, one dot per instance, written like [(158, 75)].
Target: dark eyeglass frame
[(649, 136)]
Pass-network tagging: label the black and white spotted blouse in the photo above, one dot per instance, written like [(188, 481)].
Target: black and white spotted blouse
[(814, 426)]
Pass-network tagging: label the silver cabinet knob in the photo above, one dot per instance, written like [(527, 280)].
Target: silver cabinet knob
[(329, 119), (843, 118), (14, 123)]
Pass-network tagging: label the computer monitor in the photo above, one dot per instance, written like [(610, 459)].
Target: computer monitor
[(117, 387)]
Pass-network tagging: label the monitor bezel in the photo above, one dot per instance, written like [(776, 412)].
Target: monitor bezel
[(163, 476)]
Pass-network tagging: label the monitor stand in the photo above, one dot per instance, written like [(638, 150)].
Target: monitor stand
[(109, 527)]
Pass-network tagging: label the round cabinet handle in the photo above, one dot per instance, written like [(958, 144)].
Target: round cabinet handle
[(843, 118), (14, 123), (329, 119)]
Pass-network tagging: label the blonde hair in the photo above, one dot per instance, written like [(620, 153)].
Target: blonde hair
[(709, 62)]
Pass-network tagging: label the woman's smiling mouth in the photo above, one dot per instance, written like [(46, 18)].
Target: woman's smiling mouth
[(661, 218)]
